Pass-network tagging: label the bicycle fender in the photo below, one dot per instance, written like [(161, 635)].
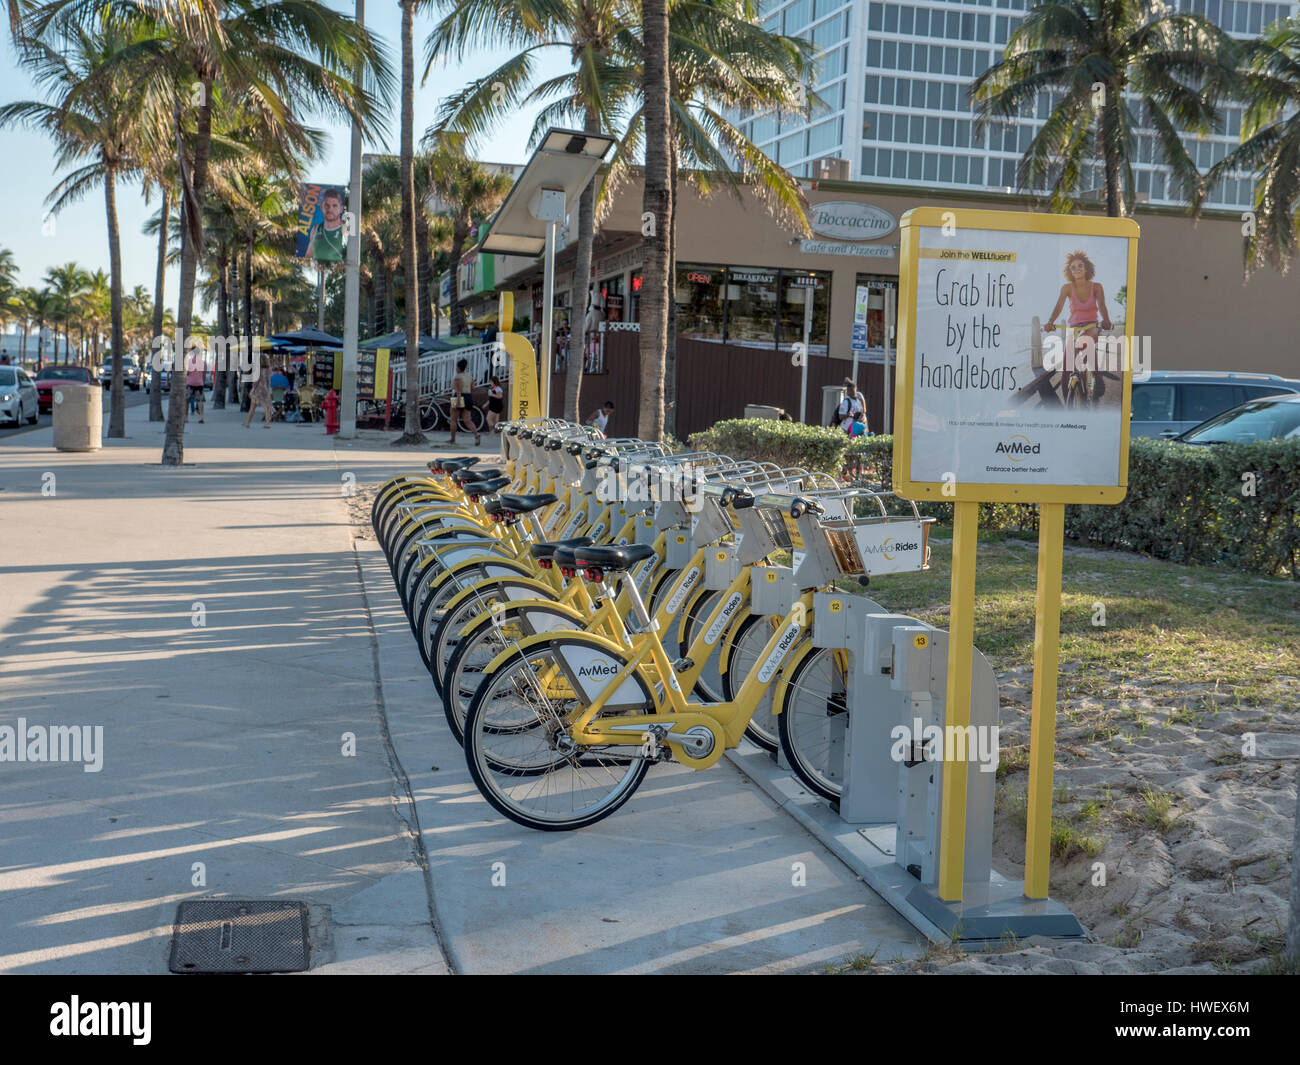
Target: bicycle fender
[(542, 589), (801, 652), (551, 606)]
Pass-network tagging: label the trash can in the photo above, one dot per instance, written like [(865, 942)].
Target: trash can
[(78, 417), (762, 410), (831, 397)]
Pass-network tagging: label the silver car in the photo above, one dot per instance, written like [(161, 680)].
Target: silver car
[(18, 402)]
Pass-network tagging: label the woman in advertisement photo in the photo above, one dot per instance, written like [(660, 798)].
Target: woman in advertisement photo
[(1088, 316)]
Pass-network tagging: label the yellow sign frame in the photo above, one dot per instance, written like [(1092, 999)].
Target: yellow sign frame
[(909, 262), (1051, 536)]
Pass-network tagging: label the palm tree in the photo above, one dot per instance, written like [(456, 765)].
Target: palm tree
[(279, 57), (470, 193), (656, 207), (1270, 134), (107, 132), (596, 88), (1099, 59), (412, 434), (67, 282), (42, 305)]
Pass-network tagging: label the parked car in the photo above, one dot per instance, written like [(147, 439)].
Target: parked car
[(48, 379), (1275, 418), (1171, 402), (18, 400), (130, 374)]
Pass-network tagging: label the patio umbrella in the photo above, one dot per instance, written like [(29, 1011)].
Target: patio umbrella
[(312, 338), (397, 342)]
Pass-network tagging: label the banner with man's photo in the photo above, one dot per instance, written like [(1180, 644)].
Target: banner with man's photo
[(322, 223)]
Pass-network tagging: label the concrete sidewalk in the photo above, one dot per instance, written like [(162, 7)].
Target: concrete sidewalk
[(224, 744)]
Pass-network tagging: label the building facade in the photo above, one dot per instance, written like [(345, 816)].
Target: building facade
[(893, 80), (750, 287)]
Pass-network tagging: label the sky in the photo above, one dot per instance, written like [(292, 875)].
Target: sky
[(79, 233)]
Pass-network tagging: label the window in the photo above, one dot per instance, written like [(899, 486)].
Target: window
[(699, 301), (792, 147), (906, 19), (923, 22), (889, 57), (949, 96), (805, 305), (868, 161), (634, 296), (886, 90), (905, 56), (891, 18), (873, 89), (950, 58), (875, 17), (1205, 401), (831, 66), (825, 7), (1153, 403), (932, 131), (873, 53), (751, 305), (829, 33), (796, 17), (931, 166), (825, 136), (945, 168)]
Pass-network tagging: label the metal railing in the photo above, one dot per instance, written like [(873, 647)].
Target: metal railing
[(437, 368)]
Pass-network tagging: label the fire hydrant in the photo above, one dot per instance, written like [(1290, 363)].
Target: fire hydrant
[(331, 406)]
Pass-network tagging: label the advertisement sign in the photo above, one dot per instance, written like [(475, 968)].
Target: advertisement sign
[(322, 225), (850, 220), (1013, 373)]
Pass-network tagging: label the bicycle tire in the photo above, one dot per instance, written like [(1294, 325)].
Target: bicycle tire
[(751, 638), (495, 772), (708, 686), (813, 695), (463, 673)]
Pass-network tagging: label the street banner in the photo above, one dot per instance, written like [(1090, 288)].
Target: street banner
[(322, 225)]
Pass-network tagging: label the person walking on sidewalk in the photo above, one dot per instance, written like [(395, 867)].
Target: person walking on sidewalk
[(194, 383), (462, 394), (260, 394)]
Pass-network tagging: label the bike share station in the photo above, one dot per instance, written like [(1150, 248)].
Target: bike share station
[(974, 289), (914, 817)]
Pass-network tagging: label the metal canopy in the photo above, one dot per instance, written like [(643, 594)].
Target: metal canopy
[(565, 160)]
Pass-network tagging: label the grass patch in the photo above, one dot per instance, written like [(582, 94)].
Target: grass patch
[(1164, 622)]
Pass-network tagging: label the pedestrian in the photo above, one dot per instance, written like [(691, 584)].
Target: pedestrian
[(194, 385), (858, 425), (851, 404), (496, 402), (260, 394), (462, 394), (601, 418)]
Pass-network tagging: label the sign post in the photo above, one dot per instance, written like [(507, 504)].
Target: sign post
[(990, 410)]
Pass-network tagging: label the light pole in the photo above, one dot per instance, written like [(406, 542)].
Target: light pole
[(352, 282)]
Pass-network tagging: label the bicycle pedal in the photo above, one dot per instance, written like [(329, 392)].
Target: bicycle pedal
[(683, 664)]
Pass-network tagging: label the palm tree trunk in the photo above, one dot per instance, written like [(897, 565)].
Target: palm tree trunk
[(670, 344), (117, 415), (578, 287), (223, 328), (255, 360), (459, 234), (191, 248), (425, 264), (159, 282), (656, 207), (412, 435), (1113, 190)]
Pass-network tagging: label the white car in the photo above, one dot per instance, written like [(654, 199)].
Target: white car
[(18, 402)]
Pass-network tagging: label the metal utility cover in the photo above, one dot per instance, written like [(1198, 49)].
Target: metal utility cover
[(240, 936)]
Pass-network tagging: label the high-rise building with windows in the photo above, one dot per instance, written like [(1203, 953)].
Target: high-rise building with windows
[(894, 79)]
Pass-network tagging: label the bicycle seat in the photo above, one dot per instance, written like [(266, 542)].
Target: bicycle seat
[(543, 552), (474, 489), (452, 465), (612, 558), (526, 504), (464, 476)]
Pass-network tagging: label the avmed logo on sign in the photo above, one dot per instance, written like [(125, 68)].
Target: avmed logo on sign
[(1018, 448)]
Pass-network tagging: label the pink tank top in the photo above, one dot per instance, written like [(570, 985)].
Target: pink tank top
[(1084, 312)]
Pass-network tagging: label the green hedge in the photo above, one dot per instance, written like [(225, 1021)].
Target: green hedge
[(1186, 504)]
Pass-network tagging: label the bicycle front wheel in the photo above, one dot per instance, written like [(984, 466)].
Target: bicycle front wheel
[(813, 721), (518, 749), (750, 640)]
